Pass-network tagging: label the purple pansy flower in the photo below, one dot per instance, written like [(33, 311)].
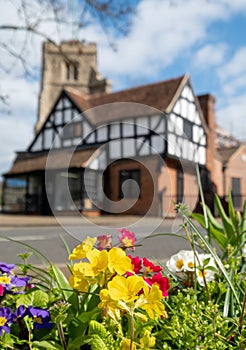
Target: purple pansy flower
[(19, 281), (41, 317), (15, 282), (19, 313), (6, 268), (6, 318)]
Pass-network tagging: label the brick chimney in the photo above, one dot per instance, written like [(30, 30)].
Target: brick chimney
[(207, 103)]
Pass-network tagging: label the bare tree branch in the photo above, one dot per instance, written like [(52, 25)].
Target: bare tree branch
[(35, 15)]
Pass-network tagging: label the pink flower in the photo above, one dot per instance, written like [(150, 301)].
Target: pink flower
[(1, 290), (104, 242), (127, 238), (150, 267), (161, 281), (136, 262)]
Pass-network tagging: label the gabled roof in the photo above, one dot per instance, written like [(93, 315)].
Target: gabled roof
[(227, 152), (157, 95)]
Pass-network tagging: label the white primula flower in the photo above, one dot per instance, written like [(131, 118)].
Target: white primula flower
[(184, 260), (205, 272), (244, 251)]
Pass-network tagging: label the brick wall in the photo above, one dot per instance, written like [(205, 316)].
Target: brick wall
[(148, 202)]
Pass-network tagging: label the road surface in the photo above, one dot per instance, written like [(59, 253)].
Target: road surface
[(47, 239)]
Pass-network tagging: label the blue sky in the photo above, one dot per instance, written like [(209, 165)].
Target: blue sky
[(168, 38)]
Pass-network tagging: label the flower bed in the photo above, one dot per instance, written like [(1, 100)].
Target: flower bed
[(115, 299)]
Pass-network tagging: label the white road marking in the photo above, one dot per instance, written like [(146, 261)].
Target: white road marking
[(28, 238)]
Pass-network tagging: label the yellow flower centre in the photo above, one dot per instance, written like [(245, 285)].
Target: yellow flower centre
[(179, 264), (5, 279), (127, 242), (3, 320), (38, 319), (190, 264), (202, 273)]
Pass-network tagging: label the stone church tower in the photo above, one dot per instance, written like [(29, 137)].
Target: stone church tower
[(72, 63)]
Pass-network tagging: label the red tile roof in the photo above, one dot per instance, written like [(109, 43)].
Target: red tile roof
[(158, 96)]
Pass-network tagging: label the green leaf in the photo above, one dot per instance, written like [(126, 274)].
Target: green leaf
[(44, 344), (215, 229), (218, 237), (199, 218), (215, 223), (62, 282), (215, 256), (228, 296), (77, 342), (243, 222), (97, 328), (227, 223), (35, 298), (87, 316), (97, 343), (231, 209)]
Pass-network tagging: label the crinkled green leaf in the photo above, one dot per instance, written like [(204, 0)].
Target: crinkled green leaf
[(35, 298)]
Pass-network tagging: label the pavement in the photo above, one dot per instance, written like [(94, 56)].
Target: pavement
[(13, 220)]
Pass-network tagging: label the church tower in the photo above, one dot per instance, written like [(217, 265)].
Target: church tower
[(72, 63)]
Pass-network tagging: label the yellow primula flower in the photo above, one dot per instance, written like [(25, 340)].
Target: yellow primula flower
[(77, 280), (98, 261), (125, 289), (118, 261), (125, 344), (82, 249), (5, 279), (106, 300), (153, 303), (147, 341)]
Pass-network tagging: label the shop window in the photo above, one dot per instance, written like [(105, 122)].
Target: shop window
[(130, 184), (180, 186), (14, 196), (236, 192)]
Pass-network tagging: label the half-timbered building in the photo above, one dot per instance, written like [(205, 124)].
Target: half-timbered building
[(152, 135)]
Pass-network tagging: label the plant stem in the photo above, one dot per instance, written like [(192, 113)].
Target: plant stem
[(242, 314), (132, 328), (62, 337), (197, 257)]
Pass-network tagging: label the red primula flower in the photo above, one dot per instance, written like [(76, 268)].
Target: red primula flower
[(161, 281), (1, 290), (127, 238), (104, 242), (150, 267), (136, 262)]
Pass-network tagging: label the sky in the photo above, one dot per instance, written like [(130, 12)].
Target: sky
[(168, 38)]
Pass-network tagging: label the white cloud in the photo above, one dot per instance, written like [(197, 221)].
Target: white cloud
[(17, 126), (234, 68), (210, 55), (160, 34), (232, 116)]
